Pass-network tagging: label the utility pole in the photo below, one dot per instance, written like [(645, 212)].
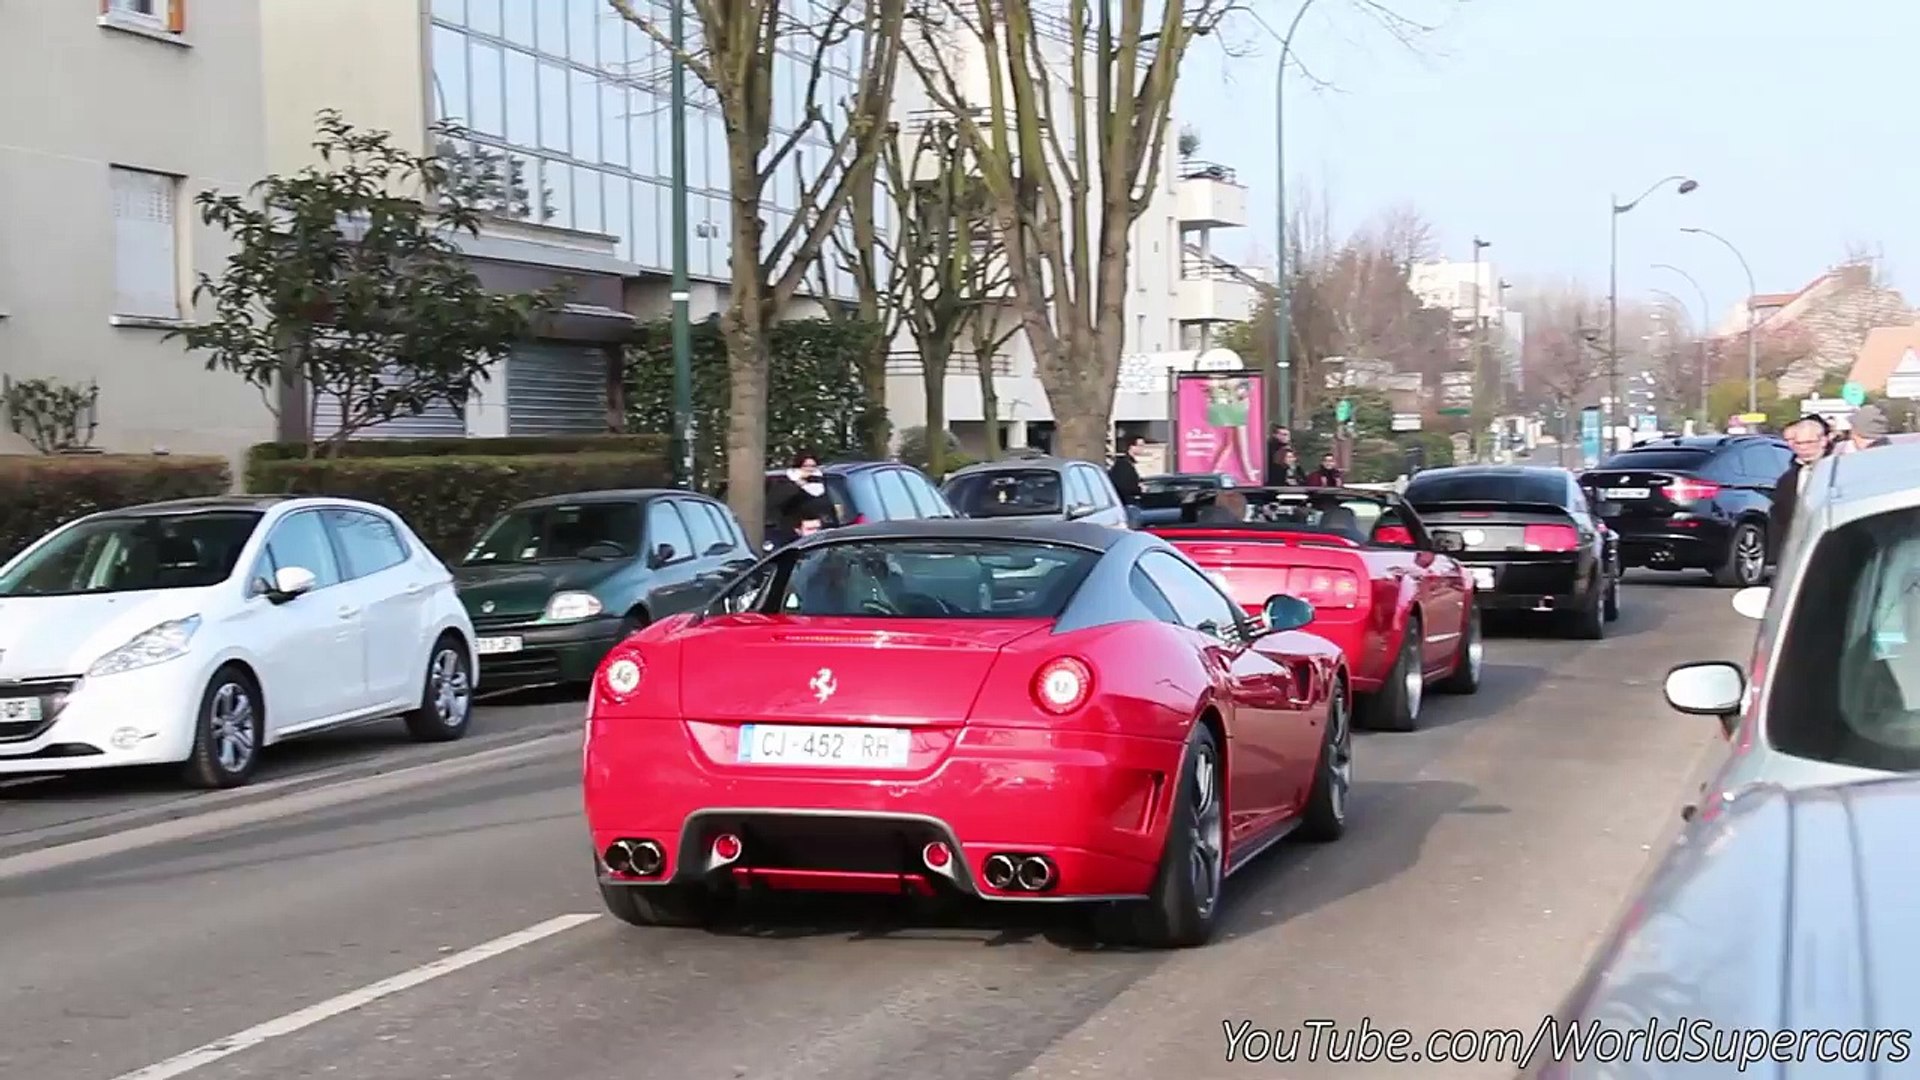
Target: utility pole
[(1283, 292), (1476, 358), (681, 296)]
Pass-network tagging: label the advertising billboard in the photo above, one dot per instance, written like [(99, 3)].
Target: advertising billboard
[(1219, 424)]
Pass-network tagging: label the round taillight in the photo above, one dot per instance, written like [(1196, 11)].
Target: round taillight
[(936, 855), (1063, 685), (623, 676)]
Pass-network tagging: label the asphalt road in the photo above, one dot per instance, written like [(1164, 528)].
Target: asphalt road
[(328, 933)]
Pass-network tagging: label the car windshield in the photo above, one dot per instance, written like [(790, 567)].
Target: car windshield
[(1666, 458), (914, 578), (608, 530), (1849, 685), (1006, 493), (132, 554), (1429, 488), (1287, 511), (1157, 484)]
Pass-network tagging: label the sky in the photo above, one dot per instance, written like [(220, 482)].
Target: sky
[(1518, 120)]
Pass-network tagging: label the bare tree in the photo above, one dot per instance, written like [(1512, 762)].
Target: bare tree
[(988, 331), (1069, 142), (1561, 358), (735, 59)]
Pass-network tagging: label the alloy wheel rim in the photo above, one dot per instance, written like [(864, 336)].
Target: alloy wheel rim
[(1752, 559), (452, 690), (1339, 754), (1414, 680), (232, 723), (1476, 649), (1206, 840)]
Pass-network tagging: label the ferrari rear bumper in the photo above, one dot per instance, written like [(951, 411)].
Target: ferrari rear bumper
[(1091, 807)]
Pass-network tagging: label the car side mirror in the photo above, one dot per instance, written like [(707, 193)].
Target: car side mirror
[(1448, 541), (662, 555), (1078, 511), (290, 582), (1709, 688), (1285, 612), (1752, 601)]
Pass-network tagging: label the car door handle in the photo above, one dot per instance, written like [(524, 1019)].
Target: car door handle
[(414, 588), (347, 611)]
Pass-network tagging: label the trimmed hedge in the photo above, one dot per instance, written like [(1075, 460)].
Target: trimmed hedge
[(448, 500), (39, 494), (510, 446)]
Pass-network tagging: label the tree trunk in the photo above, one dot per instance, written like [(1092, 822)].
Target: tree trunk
[(934, 355), (744, 328), (877, 428), (990, 403)]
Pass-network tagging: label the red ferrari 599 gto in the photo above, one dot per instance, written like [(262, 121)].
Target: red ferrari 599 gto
[(1382, 587), (1017, 712)]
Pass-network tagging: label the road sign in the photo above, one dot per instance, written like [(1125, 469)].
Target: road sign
[(1343, 411), (1752, 418), (1854, 394), (1456, 412), (1406, 421)]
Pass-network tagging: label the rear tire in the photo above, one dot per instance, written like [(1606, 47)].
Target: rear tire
[(1326, 818), (1590, 622), (1465, 677), (1184, 906), (1396, 705), (1746, 561), (1613, 600)]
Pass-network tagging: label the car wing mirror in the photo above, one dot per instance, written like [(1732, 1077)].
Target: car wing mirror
[(1283, 612), (290, 582), (1078, 511), (1710, 688), (662, 555), (1448, 541)]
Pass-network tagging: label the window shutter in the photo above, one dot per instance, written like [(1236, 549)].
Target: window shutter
[(145, 253)]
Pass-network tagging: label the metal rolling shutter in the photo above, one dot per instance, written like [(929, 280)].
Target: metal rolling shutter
[(439, 422), (556, 390)]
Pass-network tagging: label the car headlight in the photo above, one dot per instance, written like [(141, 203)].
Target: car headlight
[(572, 607), (152, 646)]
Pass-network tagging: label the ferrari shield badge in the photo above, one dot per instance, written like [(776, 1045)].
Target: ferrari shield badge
[(823, 685)]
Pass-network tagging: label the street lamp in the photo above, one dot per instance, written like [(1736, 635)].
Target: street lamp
[(1753, 350), (681, 293), (1706, 313), (1283, 297), (1474, 358), (1613, 292)]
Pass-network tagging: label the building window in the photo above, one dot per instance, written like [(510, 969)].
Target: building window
[(146, 244), (168, 15)]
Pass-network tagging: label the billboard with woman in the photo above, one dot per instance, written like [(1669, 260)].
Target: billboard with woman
[(1218, 417)]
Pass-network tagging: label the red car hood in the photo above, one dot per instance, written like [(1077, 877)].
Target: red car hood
[(841, 670)]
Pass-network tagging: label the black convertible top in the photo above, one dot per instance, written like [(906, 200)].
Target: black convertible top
[(1078, 534)]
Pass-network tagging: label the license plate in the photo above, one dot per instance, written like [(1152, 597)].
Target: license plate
[(493, 646), (837, 747), (20, 709), (1626, 493), (1482, 576)]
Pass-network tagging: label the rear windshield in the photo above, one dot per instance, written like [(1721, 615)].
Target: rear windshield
[(1852, 646), (917, 579), (1005, 493), (1668, 458), (1486, 487)]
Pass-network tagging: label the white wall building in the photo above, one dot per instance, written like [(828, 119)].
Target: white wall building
[(1179, 292), (1470, 290), (111, 120)]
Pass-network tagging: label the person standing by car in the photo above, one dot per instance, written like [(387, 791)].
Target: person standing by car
[(1288, 472), (1125, 474), (1328, 474), (1807, 438), (798, 501), (1869, 429), (1281, 464)]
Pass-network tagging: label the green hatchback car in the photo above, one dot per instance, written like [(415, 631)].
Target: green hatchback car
[(555, 583)]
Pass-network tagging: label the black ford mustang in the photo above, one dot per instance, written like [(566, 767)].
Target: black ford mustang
[(1530, 540)]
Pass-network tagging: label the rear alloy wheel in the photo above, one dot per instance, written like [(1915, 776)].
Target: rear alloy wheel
[(1465, 677), (446, 698), (1590, 622), (1184, 906), (1396, 705), (1326, 817), (228, 733), (1746, 563)]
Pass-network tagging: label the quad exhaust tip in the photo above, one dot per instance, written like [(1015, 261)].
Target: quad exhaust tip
[(1015, 872), (638, 858)]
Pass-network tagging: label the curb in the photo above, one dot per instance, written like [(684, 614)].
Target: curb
[(195, 805)]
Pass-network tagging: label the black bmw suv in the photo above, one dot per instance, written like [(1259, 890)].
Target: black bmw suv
[(1698, 503)]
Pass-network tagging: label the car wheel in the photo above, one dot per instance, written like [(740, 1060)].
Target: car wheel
[(1590, 622), (655, 905), (1396, 705), (228, 733), (1613, 600), (1184, 906), (1326, 816), (1465, 677), (446, 698), (1746, 563)]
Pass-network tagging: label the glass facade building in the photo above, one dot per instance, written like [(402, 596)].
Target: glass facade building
[(575, 98)]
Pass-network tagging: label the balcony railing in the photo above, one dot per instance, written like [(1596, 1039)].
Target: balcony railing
[(1198, 269), (962, 363), (1195, 169)]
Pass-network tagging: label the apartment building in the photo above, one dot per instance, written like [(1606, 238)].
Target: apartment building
[(136, 107), (1179, 290)]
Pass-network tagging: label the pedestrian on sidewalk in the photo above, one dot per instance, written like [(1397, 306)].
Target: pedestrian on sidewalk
[(1869, 429), (1280, 459), (1125, 472), (798, 500), (1288, 472), (1807, 438), (1328, 474)]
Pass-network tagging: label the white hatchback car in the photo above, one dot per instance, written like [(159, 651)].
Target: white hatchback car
[(198, 631)]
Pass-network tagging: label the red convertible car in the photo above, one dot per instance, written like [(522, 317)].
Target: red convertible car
[(1382, 588), (1016, 712)]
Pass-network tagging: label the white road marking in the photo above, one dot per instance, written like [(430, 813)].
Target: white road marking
[(181, 1064)]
